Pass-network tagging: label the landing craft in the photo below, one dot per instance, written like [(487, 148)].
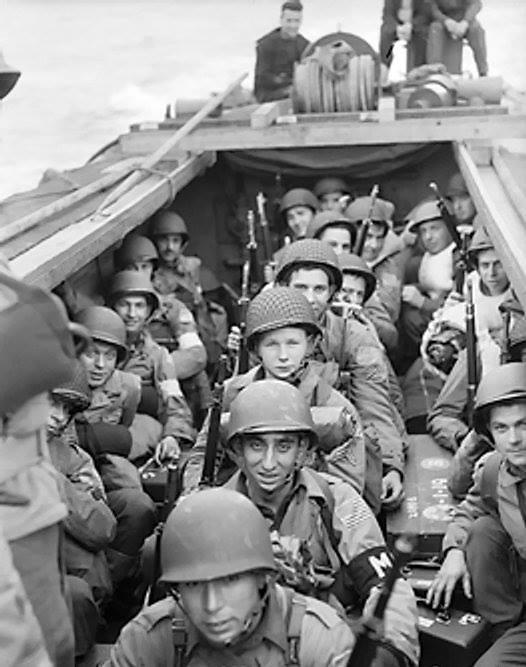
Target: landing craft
[(8, 77), (210, 167)]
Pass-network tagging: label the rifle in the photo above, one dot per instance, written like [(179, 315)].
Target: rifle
[(364, 229), (369, 634), (460, 240), (252, 250), (244, 299), (267, 241), (471, 350), (208, 474), (172, 492)]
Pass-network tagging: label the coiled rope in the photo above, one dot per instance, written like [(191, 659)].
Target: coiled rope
[(334, 79)]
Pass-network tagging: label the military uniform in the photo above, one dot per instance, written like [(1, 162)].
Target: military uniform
[(351, 545), (388, 268), (419, 22), (322, 636), (275, 56), (180, 279)]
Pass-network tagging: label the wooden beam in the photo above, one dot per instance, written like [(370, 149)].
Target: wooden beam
[(57, 257), (333, 134), (510, 182), (267, 113), (505, 226)]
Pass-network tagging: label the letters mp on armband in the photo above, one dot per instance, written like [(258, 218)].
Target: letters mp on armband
[(370, 568)]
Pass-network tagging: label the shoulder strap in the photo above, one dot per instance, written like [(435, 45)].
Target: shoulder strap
[(326, 512), (180, 640), (296, 606), (489, 479), (521, 497)]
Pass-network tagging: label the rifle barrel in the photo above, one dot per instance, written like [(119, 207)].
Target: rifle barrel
[(208, 474), (471, 350)]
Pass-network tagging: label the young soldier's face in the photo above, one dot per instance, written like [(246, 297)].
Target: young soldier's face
[(134, 311), (434, 235), (298, 219), (463, 207), (339, 238), (144, 266), (282, 351), (507, 425), (314, 285), (99, 360), (169, 247), (374, 242), (269, 459), (492, 272), (59, 417), (353, 289), (290, 22), (222, 609), (331, 201)]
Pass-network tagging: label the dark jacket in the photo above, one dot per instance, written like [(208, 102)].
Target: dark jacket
[(275, 58), (457, 10)]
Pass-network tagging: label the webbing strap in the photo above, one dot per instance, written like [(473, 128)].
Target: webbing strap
[(180, 641)]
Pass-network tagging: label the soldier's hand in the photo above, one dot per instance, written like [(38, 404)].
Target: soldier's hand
[(168, 448), (451, 27), (453, 568), (403, 31), (392, 490), (413, 296), (233, 342)]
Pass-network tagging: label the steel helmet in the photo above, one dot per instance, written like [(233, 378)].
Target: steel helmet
[(479, 242), (350, 263), (76, 392), (270, 405), (136, 248), (456, 186), (168, 222), (298, 197), (309, 253), (106, 326), (500, 385), (133, 283), (426, 211), (325, 186), (279, 307), (360, 209), (325, 219), (214, 533)]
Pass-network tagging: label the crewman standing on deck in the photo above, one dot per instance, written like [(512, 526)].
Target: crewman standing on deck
[(276, 53)]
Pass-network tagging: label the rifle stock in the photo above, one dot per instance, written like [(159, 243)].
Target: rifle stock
[(364, 228), (263, 222), (208, 474), (369, 634), (252, 249), (471, 350), (243, 356), (505, 355)]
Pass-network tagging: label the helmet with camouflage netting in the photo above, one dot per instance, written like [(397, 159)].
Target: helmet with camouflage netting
[(308, 253)]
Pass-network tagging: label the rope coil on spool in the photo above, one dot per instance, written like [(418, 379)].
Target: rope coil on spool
[(334, 78)]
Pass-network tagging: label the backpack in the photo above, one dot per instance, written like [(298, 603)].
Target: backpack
[(291, 603)]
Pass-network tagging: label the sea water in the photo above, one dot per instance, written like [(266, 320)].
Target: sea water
[(92, 67)]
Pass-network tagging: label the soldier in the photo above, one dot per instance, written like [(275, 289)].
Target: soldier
[(134, 299), (90, 525), (176, 273), (333, 194), (462, 205), (37, 352), (407, 20), (276, 54), (485, 545), (382, 249), (224, 607), (281, 333), (325, 538), (115, 397), (334, 228), (358, 361), (429, 278), (298, 207), (359, 292), (173, 324)]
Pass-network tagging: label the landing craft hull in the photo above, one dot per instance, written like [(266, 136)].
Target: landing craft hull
[(7, 82)]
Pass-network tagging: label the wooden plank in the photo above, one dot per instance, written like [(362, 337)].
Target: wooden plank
[(333, 134), (509, 181), (67, 251), (504, 224), (267, 113)]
